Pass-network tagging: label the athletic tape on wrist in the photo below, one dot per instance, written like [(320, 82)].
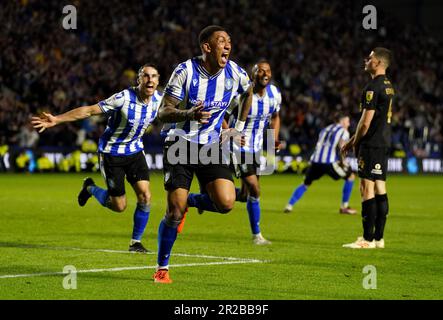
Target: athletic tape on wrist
[(240, 125)]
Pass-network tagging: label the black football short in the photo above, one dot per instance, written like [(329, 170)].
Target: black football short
[(372, 163), (115, 168), (335, 170), (248, 165), (180, 175)]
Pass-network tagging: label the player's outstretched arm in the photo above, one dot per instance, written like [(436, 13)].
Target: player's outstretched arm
[(47, 120), (168, 112)]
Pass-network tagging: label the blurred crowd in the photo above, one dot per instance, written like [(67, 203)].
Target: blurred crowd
[(316, 50)]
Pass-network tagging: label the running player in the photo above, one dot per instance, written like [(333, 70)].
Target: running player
[(264, 111), (196, 98), (121, 150), (327, 159)]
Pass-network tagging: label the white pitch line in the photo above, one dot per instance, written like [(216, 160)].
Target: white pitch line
[(129, 252), (129, 268)]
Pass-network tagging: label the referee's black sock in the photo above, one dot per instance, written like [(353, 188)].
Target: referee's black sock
[(382, 213), (369, 214)]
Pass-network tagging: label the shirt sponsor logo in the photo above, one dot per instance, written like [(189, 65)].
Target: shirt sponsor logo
[(212, 104), (377, 169)]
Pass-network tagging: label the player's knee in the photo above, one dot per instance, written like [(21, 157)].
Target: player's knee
[(144, 198), (117, 204), (351, 177), (120, 206), (175, 211), (225, 205)]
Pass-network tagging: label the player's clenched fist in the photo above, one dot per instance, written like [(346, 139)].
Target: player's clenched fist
[(196, 113)]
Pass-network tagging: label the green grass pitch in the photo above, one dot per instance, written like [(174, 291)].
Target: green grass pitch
[(42, 229)]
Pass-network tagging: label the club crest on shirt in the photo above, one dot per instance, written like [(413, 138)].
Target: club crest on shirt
[(229, 83), (194, 82), (369, 96)]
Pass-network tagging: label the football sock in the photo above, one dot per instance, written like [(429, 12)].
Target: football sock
[(298, 193), (201, 201), (167, 233), (253, 207), (347, 190), (141, 217), (239, 196), (382, 213), (369, 214), (100, 194)]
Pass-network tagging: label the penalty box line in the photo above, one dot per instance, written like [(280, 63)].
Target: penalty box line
[(132, 252), (230, 260), (129, 268)]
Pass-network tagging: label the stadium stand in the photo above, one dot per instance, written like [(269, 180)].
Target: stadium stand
[(317, 60)]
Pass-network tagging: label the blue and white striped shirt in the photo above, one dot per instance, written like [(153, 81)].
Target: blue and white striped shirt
[(191, 83), (261, 111), (128, 119), (327, 144)]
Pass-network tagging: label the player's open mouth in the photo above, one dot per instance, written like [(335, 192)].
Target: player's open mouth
[(149, 87), (224, 57)]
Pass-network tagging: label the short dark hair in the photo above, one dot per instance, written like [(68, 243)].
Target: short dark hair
[(338, 116), (260, 62), (383, 54), (147, 64), (207, 32)]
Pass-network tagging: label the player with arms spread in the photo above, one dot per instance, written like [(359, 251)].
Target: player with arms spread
[(371, 143), (196, 98), (121, 150)]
